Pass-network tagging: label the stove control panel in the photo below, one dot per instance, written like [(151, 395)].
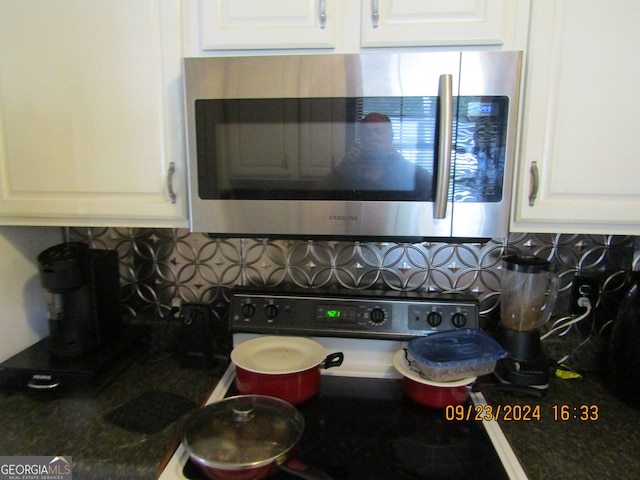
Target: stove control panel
[(358, 314)]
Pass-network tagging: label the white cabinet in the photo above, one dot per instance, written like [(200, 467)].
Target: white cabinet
[(257, 24), (347, 25), (388, 23), (90, 113), (580, 120)]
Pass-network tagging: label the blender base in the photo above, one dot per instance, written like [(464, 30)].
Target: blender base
[(531, 373)]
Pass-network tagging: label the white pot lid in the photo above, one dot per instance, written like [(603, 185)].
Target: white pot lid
[(400, 362), (278, 355)]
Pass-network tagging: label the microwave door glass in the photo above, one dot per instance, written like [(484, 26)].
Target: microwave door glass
[(374, 148), (362, 148)]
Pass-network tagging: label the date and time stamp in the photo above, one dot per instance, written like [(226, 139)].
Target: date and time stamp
[(523, 413)]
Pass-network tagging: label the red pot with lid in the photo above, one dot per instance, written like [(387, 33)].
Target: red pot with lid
[(284, 367), (428, 392), (247, 437)]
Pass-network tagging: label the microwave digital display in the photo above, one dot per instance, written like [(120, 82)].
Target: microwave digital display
[(481, 109)]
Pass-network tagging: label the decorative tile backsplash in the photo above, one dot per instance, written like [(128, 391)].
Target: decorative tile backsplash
[(160, 267)]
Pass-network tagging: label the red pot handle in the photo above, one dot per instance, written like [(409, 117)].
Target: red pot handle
[(333, 360)]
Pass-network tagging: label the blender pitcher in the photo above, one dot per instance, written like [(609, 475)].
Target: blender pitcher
[(528, 292), (528, 295)]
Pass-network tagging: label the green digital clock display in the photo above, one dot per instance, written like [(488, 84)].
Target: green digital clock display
[(336, 314)]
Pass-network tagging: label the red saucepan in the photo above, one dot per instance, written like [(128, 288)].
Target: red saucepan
[(426, 392), (282, 367), (247, 437)]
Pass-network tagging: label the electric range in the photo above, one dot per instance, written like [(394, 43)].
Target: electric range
[(360, 425)]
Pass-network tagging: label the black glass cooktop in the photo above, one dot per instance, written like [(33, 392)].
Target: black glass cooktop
[(367, 429)]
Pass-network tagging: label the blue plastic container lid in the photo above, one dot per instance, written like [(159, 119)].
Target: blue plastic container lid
[(456, 348)]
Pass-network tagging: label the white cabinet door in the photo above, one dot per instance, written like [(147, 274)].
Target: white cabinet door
[(581, 119), (260, 24), (90, 113), (442, 22), (347, 26)]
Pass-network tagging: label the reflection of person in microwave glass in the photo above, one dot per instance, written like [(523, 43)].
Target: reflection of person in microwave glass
[(374, 164)]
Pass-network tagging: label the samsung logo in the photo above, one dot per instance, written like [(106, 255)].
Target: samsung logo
[(344, 218)]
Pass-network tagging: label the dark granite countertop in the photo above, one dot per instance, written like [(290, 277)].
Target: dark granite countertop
[(606, 446), (548, 448), (77, 427)]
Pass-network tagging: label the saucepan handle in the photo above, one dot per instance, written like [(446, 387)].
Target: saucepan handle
[(333, 360)]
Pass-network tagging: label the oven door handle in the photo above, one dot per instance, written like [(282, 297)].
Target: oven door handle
[(445, 135)]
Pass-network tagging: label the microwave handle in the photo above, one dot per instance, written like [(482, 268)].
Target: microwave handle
[(445, 134)]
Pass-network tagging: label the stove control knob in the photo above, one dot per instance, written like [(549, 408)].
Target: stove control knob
[(434, 319), (459, 320), (377, 316), (271, 312), (247, 310)]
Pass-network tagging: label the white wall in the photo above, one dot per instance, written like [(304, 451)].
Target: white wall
[(23, 313)]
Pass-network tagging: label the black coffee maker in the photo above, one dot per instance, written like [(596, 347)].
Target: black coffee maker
[(88, 343), (82, 289)]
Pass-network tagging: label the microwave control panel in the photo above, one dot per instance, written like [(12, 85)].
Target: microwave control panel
[(384, 315)]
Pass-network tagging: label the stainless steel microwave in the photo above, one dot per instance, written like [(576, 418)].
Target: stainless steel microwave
[(375, 145)]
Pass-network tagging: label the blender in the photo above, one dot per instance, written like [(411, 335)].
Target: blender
[(528, 294)]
